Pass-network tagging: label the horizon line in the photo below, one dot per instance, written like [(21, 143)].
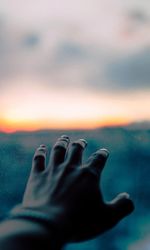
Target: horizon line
[(34, 130)]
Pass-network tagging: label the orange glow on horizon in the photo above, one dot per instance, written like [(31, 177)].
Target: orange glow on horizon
[(13, 126), (49, 108), (40, 107)]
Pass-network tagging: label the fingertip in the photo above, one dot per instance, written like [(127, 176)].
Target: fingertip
[(123, 205), (104, 152), (98, 160), (65, 137), (127, 206), (41, 150), (79, 144), (129, 202), (83, 143), (126, 199), (39, 158), (123, 196), (42, 146), (131, 206), (75, 152), (58, 151)]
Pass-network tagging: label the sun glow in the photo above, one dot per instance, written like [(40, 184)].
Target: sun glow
[(36, 107), (26, 125)]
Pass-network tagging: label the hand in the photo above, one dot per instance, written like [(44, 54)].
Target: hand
[(68, 191)]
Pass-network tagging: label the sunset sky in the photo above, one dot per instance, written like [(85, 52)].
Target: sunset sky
[(73, 64)]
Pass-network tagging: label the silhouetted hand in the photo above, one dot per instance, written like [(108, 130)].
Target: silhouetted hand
[(68, 191)]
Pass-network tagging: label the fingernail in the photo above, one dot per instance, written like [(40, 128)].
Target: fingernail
[(84, 142), (104, 152), (125, 195), (65, 137), (42, 149), (42, 146)]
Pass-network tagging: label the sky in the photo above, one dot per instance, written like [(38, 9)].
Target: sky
[(73, 64)]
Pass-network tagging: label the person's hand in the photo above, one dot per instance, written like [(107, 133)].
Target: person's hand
[(68, 191)]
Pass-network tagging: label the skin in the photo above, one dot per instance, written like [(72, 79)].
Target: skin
[(68, 192)]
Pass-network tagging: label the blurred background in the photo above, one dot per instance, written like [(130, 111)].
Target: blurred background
[(81, 68)]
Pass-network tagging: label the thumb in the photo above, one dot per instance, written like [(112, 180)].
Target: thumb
[(122, 206)]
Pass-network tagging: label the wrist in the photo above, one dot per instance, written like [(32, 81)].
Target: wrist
[(52, 233), (31, 214)]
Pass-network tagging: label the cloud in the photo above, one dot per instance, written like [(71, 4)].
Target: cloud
[(28, 54), (69, 52), (138, 15), (20, 52), (130, 72), (62, 53), (30, 41)]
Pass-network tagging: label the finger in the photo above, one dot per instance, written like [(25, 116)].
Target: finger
[(75, 152), (122, 206), (97, 161), (58, 151), (39, 159)]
